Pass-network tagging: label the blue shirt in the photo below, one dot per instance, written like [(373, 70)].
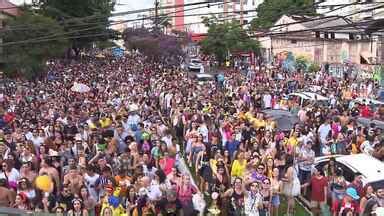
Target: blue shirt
[(232, 146)]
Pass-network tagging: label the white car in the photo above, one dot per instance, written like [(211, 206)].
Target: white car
[(372, 169), (195, 64), (203, 78), (368, 101), (308, 96)]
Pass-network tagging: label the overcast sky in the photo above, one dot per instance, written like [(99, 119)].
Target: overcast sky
[(121, 5), (128, 5)]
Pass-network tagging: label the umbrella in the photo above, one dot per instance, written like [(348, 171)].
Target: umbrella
[(366, 122), (284, 119), (79, 87)]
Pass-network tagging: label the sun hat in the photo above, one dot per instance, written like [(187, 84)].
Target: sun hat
[(352, 193)]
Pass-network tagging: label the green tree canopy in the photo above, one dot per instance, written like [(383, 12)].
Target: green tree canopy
[(87, 20), (226, 37), (24, 55), (270, 11)]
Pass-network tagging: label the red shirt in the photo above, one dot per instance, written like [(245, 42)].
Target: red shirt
[(318, 191), (365, 111), (338, 207)]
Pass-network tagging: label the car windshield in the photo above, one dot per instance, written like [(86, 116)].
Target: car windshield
[(195, 61), (204, 79)]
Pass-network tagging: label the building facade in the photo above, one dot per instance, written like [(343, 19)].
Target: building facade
[(189, 18), (331, 46), (354, 9)]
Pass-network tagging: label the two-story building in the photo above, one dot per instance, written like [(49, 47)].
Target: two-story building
[(323, 39)]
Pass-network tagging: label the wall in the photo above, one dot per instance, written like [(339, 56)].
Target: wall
[(331, 51)]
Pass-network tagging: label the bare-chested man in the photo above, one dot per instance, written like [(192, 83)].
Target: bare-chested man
[(6, 196)]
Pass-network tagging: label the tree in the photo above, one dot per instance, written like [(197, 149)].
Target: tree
[(226, 37), (270, 11), (155, 45), (28, 57), (85, 19)]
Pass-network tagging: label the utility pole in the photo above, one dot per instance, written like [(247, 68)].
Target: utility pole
[(157, 15), (241, 12)]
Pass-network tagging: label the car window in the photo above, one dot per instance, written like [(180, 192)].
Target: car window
[(321, 165), (347, 172), (204, 78), (378, 184), (196, 61)]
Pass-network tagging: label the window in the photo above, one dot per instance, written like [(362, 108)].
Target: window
[(317, 34), (332, 35), (325, 35), (351, 36), (348, 174), (294, 41), (245, 22)]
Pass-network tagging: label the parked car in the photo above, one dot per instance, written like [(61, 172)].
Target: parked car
[(195, 65), (306, 97), (203, 78), (372, 169), (368, 101)]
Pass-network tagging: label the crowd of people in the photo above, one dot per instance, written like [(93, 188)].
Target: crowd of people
[(119, 147)]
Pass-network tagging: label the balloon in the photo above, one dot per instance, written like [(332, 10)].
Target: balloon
[(44, 183)]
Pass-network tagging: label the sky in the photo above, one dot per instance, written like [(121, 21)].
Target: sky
[(121, 5), (128, 5)]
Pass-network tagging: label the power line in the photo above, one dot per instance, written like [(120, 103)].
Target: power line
[(96, 17), (86, 29), (46, 37)]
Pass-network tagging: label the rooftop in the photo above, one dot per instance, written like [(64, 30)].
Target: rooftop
[(8, 8)]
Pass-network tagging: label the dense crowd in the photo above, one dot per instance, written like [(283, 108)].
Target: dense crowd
[(119, 148)]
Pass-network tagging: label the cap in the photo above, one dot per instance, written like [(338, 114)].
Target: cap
[(352, 193)]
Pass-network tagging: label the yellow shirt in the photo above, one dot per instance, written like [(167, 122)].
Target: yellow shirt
[(213, 164), (257, 123), (119, 211), (105, 122), (238, 168), (292, 141)]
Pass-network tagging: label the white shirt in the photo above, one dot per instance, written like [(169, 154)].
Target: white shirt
[(306, 154), (90, 182), (252, 203), (267, 98), (324, 129), (203, 130), (366, 147), (167, 140), (12, 177), (37, 141), (154, 192)]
